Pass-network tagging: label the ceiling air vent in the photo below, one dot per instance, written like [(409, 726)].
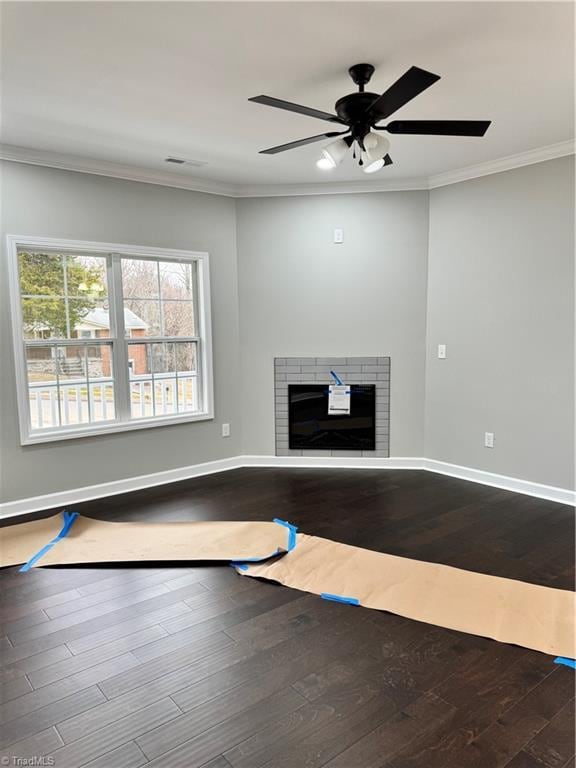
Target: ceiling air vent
[(184, 161)]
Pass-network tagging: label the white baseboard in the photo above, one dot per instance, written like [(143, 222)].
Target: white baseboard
[(539, 490), (333, 462), (115, 487)]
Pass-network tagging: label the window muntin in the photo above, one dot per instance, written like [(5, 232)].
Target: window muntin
[(78, 376)]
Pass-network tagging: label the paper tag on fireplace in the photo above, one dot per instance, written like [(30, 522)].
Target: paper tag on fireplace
[(338, 399)]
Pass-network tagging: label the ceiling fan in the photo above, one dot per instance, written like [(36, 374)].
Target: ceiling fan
[(360, 112)]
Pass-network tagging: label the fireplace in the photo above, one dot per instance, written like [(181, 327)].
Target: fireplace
[(312, 427)]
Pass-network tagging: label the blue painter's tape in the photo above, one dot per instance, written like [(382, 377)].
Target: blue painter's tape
[(340, 598), (69, 518), (240, 566), (337, 378), (566, 662), (292, 531)]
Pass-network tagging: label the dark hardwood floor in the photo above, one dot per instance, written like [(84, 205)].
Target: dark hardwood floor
[(197, 666)]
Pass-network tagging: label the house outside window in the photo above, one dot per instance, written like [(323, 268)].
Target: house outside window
[(108, 337)]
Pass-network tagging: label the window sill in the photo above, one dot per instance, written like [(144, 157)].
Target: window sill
[(113, 427)]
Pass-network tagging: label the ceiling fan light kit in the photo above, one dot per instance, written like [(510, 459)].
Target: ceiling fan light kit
[(361, 111), (335, 152)]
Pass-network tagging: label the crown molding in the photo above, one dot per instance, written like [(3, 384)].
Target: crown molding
[(113, 170), (331, 188), (508, 163), (169, 179)]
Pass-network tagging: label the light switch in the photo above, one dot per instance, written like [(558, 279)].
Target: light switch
[(338, 235), (442, 351)]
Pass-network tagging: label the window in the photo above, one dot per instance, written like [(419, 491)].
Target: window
[(108, 337)]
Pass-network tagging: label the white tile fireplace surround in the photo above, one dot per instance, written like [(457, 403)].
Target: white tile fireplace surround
[(316, 370)]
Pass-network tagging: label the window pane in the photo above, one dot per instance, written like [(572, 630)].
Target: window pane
[(178, 318), (45, 318), (41, 274), (100, 382), (176, 280), (158, 297), (42, 387), (188, 392), (86, 277), (140, 278), (63, 296), (163, 358), (70, 385), (141, 388), (88, 321), (163, 378), (71, 365), (142, 317), (186, 357)]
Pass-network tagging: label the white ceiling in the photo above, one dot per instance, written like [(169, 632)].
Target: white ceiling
[(132, 83)]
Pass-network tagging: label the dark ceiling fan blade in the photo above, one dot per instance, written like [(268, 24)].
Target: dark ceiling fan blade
[(300, 143), (387, 160), (412, 82), (440, 127), (270, 101)]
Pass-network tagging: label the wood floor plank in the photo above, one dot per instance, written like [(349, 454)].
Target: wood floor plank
[(554, 745), (502, 739), (32, 619), (53, 714), (380, 745), (147, 671), (235, 611), (293, 658), (22, 609), (228, 693), (65, 687), (14, 688), (69, 666), (33, 747), (102, 742), (206, 746), (144, 695), (223, 619), (337, 735), (129, 755), (85, 614), (127, 575), (104, 596), (83, 623), (31, 663), (332, 694), (122, 628), (494, 694)]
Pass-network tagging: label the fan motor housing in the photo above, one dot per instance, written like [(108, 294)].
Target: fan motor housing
[(354, 107)]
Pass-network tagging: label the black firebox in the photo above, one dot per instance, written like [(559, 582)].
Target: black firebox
[(311, 427)]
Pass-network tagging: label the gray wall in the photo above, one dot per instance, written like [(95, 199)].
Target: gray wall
[(52, 203), (303, 296), (501, 296)]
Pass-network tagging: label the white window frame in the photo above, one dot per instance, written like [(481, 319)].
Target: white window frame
[(120, 348)]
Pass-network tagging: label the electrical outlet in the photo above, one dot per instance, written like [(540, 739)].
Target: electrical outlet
[(338, 235), (442, 351), (489, 439), (225, 430)]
